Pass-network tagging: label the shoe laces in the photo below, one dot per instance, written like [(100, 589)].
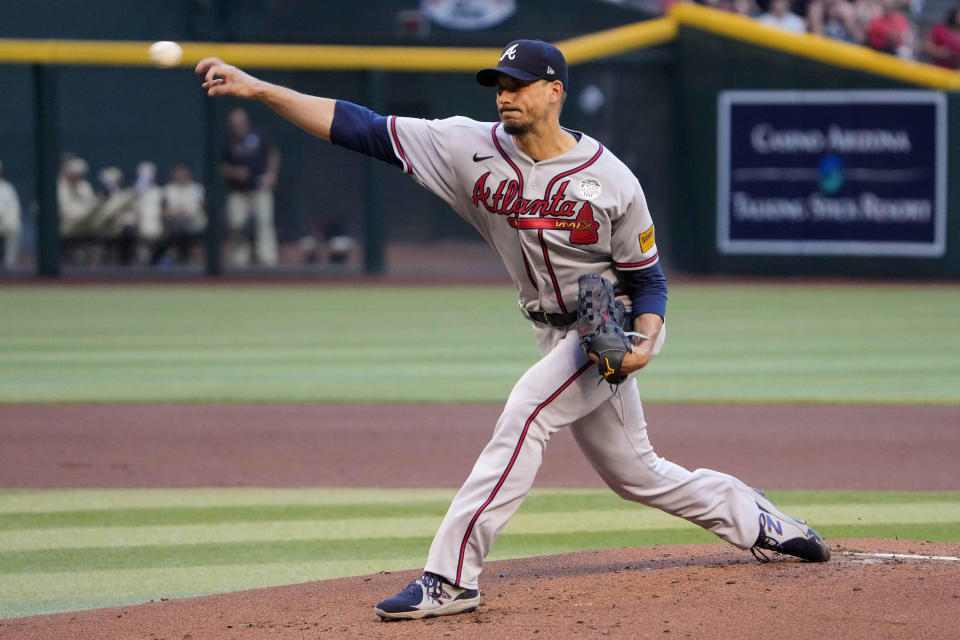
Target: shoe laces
[(764, 542), (761, 557), (433, 586)]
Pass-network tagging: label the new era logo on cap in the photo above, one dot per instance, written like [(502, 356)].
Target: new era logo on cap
[(528, 60)]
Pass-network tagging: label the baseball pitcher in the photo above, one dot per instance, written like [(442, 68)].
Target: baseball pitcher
[(571, 224)]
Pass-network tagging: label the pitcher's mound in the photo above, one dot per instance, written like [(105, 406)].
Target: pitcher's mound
[(870, 589)]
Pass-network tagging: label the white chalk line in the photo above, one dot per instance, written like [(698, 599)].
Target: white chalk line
[(902, 556)]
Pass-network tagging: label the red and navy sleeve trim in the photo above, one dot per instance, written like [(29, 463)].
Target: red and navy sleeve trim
[(643, 264), (407, 167), (359, 129)]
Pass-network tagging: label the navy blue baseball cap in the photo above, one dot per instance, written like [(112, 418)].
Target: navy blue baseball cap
[(528, 60)]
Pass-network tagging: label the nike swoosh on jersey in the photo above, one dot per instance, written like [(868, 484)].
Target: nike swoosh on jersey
[(477, 158)]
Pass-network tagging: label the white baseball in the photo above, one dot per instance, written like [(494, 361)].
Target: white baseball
[(165, 53)]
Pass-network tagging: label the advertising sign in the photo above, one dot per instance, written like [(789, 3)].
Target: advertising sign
[(832, 173)]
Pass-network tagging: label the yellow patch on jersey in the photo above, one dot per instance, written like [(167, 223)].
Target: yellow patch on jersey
[(647, 240)]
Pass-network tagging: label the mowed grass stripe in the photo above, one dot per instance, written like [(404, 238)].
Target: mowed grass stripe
[(68, 540), (627, 516), (53, 500), (383, 548), (208, 515), (33, 593), (316, 504), (38, 591), (211, 554), (390, 548), (25, 501), (726, 343)]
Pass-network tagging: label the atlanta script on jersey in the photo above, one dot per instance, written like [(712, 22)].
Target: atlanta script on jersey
[(550, 221)]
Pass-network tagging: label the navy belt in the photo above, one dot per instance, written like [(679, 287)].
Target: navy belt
[(555, 320)]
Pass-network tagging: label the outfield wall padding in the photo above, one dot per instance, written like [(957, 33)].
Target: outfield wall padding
[(706, 65)]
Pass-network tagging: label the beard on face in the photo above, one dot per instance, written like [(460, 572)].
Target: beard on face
[(515, 128)]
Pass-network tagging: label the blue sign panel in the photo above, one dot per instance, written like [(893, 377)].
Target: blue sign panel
[(832, 173)]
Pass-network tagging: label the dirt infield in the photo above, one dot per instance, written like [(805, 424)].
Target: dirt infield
[(770, 446), (689, 591), (693, 591)]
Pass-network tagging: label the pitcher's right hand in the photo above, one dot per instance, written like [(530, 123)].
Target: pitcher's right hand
[(222, 79)]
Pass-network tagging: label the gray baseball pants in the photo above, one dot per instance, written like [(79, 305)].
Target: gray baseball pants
[(562, 391)]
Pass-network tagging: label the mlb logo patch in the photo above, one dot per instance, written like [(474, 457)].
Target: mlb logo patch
[(589, 189)]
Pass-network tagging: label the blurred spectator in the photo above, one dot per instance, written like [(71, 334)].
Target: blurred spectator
[(339, 244), (891, 32), (10, 224), (742, 7), (745, 8), (183, 216), (866, 11), (779, 15), (835, 19), (943, 43), (115, 220), (309, 249), (76, 202), (75, 197), (814, 13), (149, 199), (250, 166)]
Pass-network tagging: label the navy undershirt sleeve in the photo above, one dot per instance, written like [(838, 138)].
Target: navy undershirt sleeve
[(359, 129), (647, 289)]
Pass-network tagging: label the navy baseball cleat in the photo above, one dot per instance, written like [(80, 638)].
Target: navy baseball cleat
[(783, 534), (426, 597)]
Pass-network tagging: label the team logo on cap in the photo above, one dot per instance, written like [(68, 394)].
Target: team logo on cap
[(510, 52), (589, 189)]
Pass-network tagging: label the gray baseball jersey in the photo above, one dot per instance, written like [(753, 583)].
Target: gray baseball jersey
[(550, 222)]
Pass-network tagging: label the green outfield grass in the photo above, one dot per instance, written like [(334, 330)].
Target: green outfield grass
[(727, 343), (63, 550)]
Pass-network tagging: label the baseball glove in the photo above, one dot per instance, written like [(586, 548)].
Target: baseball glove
[(600, 326)]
